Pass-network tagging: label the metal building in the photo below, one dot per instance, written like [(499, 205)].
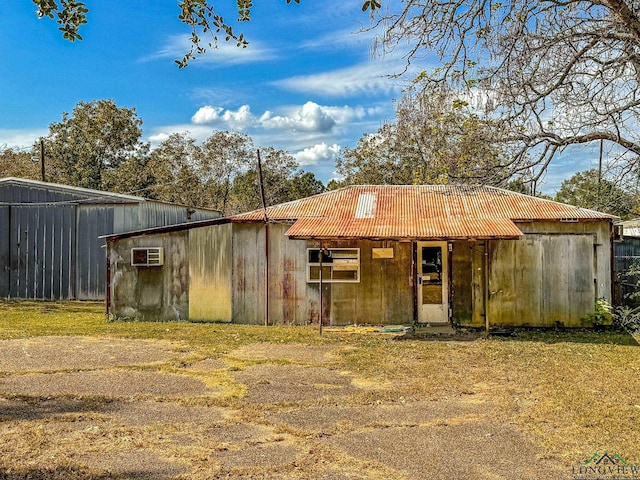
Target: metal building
[(470, 256), (49, 245)]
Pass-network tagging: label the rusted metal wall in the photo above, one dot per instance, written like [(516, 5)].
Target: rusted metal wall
[(150, 293), (290, 301), (384, 294), (542, 280), (601, 232), (210, 273), (462, 285), (248, 273), (553, 274)]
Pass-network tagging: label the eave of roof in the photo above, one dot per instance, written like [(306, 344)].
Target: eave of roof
[(71, 189), (430, 228)]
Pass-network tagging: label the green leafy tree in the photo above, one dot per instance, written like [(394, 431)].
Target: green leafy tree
[(19, 164), (436, 138), (224, 156), (90, 145), (283, 181), (584, 190), (222, 173), (174, 169)]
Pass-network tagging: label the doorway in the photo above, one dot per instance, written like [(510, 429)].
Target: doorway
[(432, 283)]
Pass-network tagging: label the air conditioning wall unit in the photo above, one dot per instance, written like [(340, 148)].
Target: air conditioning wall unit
[(147, 257)]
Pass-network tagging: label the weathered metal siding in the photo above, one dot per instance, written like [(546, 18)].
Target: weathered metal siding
[(290, 301), (150, 293), (601, 233), (149, 214), (462, 284), (626, 254), (92, 222), (37, 242), (95, 220), (248, 273), (49, 245), (210, 273), (5, 251), (41, 242), (542, 280), (384, 294)]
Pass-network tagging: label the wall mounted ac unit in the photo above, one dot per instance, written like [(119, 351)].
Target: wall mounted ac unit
[(147, 257)]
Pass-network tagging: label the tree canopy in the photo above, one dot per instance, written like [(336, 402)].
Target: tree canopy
[(436, 138), (18, 163), (586, 189), (90, 144), (552, 73), (98, 145)]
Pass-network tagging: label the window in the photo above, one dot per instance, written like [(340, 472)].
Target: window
[(338, 265)]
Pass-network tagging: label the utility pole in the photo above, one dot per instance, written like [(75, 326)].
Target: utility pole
[(600, 177), (42, 175)]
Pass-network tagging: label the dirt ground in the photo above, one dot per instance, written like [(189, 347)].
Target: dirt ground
[(99, 408)]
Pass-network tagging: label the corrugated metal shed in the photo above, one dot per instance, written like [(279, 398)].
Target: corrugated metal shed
[(631, 228), (49, 245), (417, 211)]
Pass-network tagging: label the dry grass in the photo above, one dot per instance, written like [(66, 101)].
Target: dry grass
[(312, 405)]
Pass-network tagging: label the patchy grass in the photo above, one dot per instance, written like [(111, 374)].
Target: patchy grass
[(571, 393)]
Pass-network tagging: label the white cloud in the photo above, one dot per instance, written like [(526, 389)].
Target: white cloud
[(158, 137), (206, 114), (363, 79), (339, 39), (237, 120), (16, 138), (226, 53), (240, 119), (317, 153), (310, 117)]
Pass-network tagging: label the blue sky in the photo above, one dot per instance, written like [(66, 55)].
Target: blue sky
[(307, 83)]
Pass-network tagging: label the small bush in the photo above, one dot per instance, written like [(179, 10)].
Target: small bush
[(627, 318), (602, 314)]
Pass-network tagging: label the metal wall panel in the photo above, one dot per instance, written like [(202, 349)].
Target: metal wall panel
[(248, 273), (5, 257), (542, 280), (92, 222), (210, 273), (626, 255), (151, 293), (41, 245)]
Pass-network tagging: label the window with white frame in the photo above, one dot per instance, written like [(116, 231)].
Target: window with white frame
[(338, 265)]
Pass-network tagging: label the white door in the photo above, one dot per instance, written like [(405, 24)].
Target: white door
[(432, 283)]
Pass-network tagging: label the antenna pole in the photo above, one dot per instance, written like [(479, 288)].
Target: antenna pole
[(266, 242)]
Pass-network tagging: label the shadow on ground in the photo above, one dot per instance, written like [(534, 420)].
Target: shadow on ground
[(549, 336)]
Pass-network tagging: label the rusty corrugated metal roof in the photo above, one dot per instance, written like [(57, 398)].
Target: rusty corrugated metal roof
[(416, 211)]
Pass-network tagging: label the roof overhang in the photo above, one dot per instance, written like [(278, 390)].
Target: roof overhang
[(429, 228)]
